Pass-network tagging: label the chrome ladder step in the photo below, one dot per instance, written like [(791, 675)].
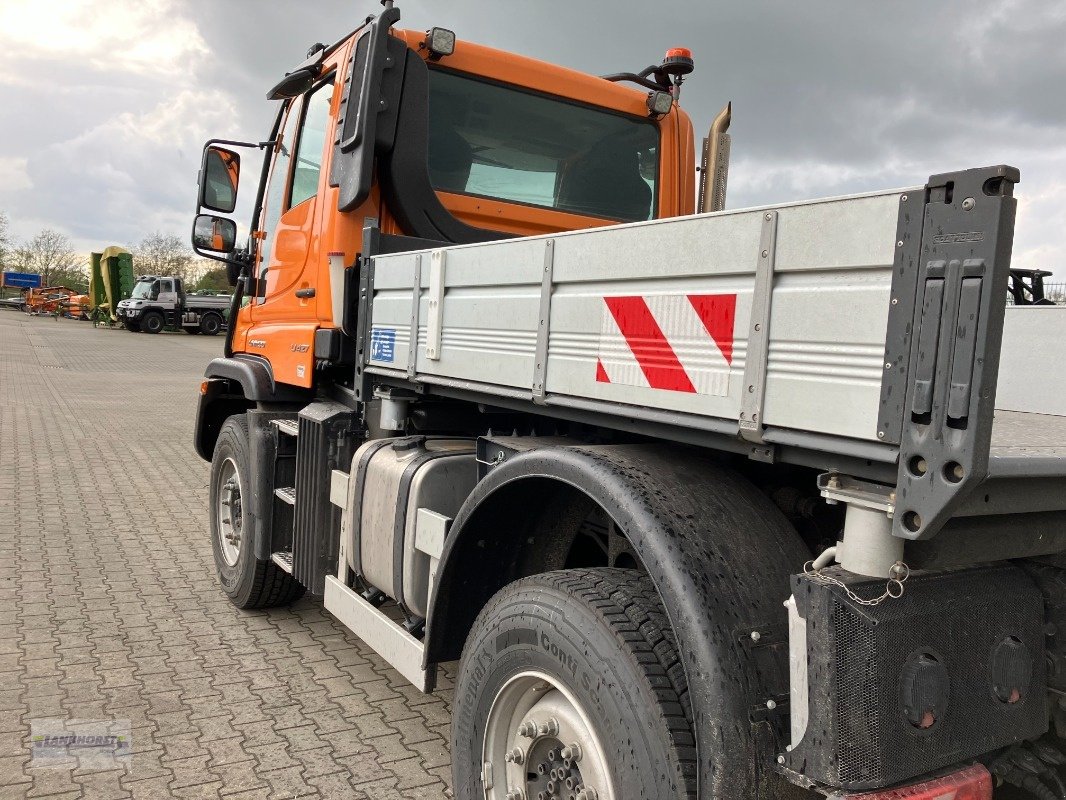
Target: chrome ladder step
[(290, 427), (287, 494), (283, 559)]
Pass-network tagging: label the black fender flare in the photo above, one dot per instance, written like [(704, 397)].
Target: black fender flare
[(232, 386), (718, 550)]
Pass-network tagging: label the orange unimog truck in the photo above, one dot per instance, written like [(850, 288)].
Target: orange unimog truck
[(710, 505)]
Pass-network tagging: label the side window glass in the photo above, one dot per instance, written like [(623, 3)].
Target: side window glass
[(276, 188), (166, 286), (310, 146)]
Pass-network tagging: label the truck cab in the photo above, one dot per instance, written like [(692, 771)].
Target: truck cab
[(469, 145)]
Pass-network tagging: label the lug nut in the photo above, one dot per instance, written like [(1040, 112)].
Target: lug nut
[(587, 794), (528, 729), (550, 728), (571, 752), (515, 794), (515, 756)]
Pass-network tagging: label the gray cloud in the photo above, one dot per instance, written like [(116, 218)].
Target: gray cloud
[(829, 97)]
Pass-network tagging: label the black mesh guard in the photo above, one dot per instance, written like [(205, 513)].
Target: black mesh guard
[(858, 736)]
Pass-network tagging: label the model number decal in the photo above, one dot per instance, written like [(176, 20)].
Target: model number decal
[(383, 345)]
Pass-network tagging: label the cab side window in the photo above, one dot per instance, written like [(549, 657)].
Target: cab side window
[(273, 204), (311, 145)]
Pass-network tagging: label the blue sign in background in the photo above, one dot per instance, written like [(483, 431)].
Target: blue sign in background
[(383, 345), (22, 280)]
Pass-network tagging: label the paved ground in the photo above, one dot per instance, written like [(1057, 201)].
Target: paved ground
[(109, 607)]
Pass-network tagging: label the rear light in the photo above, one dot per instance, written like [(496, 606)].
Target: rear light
[(972, 783)]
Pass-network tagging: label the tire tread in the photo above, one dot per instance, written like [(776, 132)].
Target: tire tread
[(629, 604)]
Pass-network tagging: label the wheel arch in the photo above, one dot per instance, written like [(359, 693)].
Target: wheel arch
[(718, 550), (232, 386)]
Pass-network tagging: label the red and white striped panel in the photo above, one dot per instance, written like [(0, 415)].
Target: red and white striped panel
[(682, 343)]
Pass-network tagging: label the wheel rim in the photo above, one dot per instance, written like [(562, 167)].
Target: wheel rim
[(540, 743), (229, 511)]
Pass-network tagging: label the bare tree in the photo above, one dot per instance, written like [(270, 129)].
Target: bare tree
[(5, 240), (51, 255), (162, 254)]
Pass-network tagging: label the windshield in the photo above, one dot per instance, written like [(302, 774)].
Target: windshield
[(501, 142), (142, 290)]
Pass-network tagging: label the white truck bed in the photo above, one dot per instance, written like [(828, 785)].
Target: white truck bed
[(659, 315), (856, 334)]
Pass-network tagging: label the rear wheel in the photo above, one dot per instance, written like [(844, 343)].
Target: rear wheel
[(570, 682), (210, 324), (248, 581), (152, 322)]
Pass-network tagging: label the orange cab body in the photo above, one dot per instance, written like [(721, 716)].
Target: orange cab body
[(280, 323)]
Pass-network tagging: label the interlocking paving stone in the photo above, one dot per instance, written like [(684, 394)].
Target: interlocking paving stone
[(109, 607)]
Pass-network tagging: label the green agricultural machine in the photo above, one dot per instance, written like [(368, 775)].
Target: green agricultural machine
[(111, 279)]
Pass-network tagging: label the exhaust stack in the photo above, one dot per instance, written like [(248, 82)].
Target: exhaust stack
[(714, 172)]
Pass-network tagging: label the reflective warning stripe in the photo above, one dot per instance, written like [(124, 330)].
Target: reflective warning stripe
[(681, 343)]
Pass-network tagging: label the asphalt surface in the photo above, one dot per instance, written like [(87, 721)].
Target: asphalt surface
[(109, 608)]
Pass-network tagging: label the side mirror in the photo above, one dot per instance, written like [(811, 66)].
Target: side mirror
[(219, 178), (217, 234)]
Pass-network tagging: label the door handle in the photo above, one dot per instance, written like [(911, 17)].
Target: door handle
[(305, 293)]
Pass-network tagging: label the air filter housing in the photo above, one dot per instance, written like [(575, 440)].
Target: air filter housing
[(951, 670)]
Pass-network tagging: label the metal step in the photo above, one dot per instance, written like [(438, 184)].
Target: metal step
[(290, 427), (286, 493), (384, 635), (283, 559)]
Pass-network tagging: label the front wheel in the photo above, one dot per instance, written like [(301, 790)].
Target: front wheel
[(152, 322), (249, 582), (570, 685)]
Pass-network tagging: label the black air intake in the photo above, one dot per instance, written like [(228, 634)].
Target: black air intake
[(326, 442), (951, 670)]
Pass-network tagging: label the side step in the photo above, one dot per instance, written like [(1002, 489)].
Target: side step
[(289, 427), (388, 638), (283, 559), (287, 494)]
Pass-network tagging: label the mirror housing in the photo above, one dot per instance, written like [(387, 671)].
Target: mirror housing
[(215, 234), (219, 178)]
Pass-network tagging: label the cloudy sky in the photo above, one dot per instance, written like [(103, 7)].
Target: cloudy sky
[(106, 102)]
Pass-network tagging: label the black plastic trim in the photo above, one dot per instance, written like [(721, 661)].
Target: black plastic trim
[(957, 333), (256, 379), (403, 170)]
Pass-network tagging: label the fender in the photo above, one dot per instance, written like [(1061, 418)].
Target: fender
[(233, 386), (718, 550)]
